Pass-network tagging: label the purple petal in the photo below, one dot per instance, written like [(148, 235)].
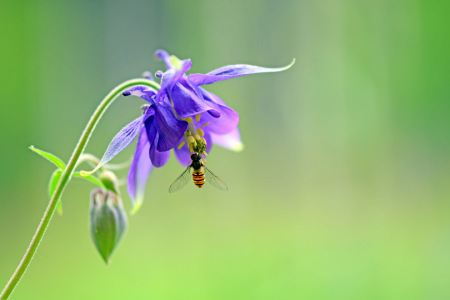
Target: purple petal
[(232, 71), (164, 56), (158, 158), (149, 112), (172, 76), (155, 135), (188, 100), (230, 141), (209, 142), (170, 129), (144, 92), (184, 96), (148, 75), (183, 155), (228, 119), (122, 140), (139, 171)]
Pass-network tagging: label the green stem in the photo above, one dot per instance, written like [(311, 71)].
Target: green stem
[(65, 177)]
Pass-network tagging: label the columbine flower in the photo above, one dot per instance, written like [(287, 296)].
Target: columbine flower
[(182, 116)]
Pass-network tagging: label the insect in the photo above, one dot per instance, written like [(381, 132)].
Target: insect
[(199, 173)]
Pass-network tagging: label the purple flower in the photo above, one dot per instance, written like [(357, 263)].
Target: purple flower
[(182, 116)]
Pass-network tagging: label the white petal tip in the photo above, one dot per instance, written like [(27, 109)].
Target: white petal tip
[(290, 65), (136, 206), (85, 173), (237, 146)]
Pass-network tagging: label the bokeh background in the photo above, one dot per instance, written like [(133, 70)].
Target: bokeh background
[(342, 191)]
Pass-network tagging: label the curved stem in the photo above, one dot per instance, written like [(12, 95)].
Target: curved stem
[(89, 158), (94, 161), (65, 177)]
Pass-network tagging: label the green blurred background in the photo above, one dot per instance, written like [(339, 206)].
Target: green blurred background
[(342, 191)]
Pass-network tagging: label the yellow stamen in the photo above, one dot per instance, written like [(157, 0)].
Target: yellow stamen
[(200, 131), (191, 143), (181, 145), (188, 119), (190, 139), (204, 125), (200, 145), (197, 118)]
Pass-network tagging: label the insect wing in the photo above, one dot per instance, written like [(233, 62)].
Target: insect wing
[(181, 181), (214, 180)]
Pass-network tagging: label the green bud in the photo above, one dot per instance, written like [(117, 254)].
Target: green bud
[(108, 221), (110, 181)]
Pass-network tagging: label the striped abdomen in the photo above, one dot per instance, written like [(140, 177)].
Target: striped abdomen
[(199, 177)]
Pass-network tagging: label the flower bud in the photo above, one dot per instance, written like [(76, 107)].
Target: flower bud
[(110, 181), (108, 221)]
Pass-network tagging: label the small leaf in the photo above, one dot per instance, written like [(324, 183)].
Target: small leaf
[(50, 157), (54, 180), (90, 178)]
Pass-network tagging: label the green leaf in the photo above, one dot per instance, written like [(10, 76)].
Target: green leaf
[(50, 157), (54, 180), (90, 178)]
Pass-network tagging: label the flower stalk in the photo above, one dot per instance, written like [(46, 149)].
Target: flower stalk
[(65, 178)]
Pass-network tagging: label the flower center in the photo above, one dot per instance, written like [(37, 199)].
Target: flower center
[(194, 136)]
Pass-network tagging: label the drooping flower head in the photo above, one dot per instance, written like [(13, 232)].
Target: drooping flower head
[(182, 116)]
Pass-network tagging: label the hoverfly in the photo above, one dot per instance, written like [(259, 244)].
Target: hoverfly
[(200, 171)]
